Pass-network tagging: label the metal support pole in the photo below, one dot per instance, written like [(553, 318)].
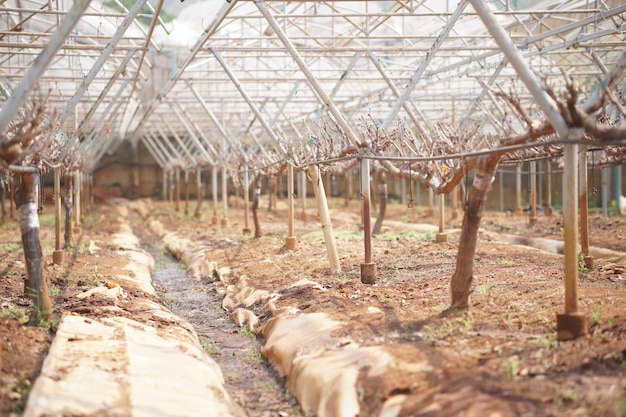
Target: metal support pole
[(290, 242), (224, 220), (214, 193), (583, 190), (606, 174), (532, 166), (58, 255), (442, 236), (368, 268), (246, 200)]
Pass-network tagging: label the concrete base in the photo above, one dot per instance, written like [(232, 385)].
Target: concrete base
[(247, 231), (441, 238), (303, 216), (532, 221), (77, 230), (368, 273), (589, 262), (224, 222), (291, 243), (570, 326), (547, 211), (519, 210), (214, 221), (58, 257)]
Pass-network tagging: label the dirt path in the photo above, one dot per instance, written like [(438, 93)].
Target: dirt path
[(249, 379)]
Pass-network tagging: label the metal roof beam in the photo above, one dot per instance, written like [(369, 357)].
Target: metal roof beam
[(424, 64), (10, 108)]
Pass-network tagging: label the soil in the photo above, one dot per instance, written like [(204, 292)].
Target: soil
[(502, 349)]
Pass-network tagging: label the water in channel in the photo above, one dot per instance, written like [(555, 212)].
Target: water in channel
[(250, 380)]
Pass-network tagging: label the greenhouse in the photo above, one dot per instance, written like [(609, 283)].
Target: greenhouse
[(310, 208)]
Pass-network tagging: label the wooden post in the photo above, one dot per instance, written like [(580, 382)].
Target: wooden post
[(327, 227), (583, 191), (533, 193), (368, 268), (291, 242), (58, 255)]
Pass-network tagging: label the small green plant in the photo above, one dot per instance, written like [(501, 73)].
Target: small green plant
[(596, 315), (55, 290), (505, 262), (254, 356), (15, 313), (582, 267), (512, 367), (484, 288), (10, 247), (23, 389), (383, 298), (210, 348), (342, 278), (571, 396), (248, 333)]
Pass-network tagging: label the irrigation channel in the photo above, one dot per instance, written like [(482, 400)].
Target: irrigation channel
[(249, 379)]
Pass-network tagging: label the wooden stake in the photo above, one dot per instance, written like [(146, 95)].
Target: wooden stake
[(327, 227), (290, 242)]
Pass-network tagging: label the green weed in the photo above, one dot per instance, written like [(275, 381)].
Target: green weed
[(15, 313)]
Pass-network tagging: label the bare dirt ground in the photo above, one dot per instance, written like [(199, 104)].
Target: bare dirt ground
[(503, 348)]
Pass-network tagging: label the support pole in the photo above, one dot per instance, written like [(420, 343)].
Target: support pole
[(303, 195), (246, 200), (431, 202), (327, 227), (606, 174), (224, 198), (77, 198), (186, 193), (442, 236), (547, 209), (368, 268), (291, 242), (584, 207), (198, 212), (58, 256), (177, 189), (572, 323), (532, 166), (518, 190), (214, 192)]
